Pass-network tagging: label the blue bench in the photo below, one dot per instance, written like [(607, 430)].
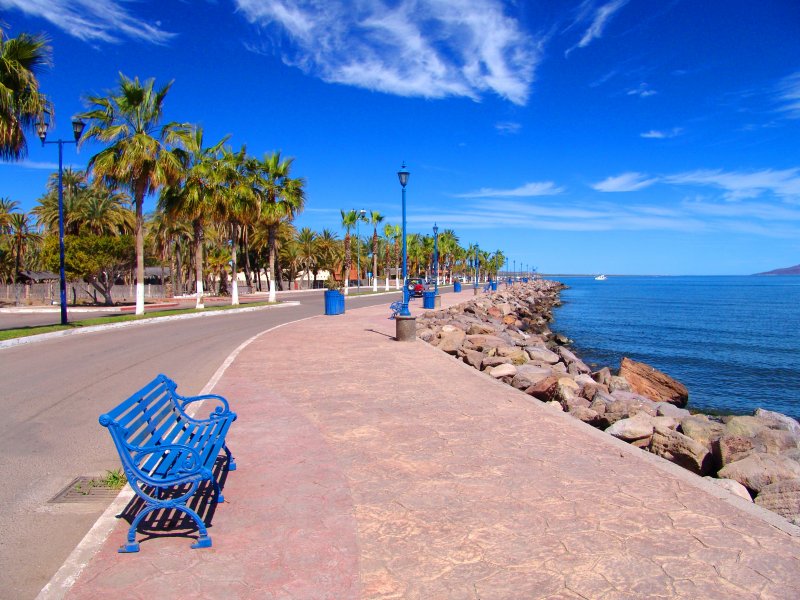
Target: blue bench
[(166, 454), (395, 307)]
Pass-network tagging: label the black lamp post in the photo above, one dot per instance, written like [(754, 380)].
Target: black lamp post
[(77, 131), (436, 258), (402, 175)]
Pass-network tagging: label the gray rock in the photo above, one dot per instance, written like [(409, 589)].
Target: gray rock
[(451, 341), (473, 358), (702, 429), (618, 383), (665, 409), (541, 355), (776, 420), (528, 375), (507, 370), (758, 470), (732, 486), (632, 428), (587, 415), (603, 376), (783, 498), (493, 361), (681, 449)]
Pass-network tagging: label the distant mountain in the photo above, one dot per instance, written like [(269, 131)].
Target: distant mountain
[(795, 270)]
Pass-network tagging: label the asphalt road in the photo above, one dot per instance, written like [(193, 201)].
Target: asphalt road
[(52, 393)]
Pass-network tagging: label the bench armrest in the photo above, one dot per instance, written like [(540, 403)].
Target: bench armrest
[(222, 409)]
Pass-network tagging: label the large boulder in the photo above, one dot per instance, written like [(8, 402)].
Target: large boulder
[(528, 375), (493, 361), (732, 486), (702, 429), (473, 358), (758, 470), (776, 420), (587, 415), (506, 370), (573, 362), (480, 329), (637, 427), (649, 381), (783, 498), (541, 389), (485, 342), (618, 383), (682, 450), (451, 341), (542, 355)]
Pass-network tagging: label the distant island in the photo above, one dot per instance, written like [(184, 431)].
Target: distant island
[(795, 270)]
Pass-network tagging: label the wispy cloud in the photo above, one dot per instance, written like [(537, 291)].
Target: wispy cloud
[(789, 95), (627, 182), (655, 134), (30, 164), (642, 90), (508, 127), (542, 188), (598, 17), (741, 185), (92, 20), (425, 48)]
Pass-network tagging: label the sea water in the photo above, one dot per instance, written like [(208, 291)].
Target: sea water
[(733, 341)]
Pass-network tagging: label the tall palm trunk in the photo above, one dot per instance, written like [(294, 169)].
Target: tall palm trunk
[(375, 261), (272, 231), (234, 275), (198, 261), (347, 259), (139, 249), (387, 265), (248, 280)]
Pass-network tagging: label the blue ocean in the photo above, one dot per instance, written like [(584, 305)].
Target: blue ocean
[(733, 341)]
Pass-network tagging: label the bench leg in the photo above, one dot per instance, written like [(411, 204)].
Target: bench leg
[(231, 462), (203, 540)]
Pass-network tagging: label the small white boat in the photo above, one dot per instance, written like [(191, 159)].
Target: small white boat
[(600, 278)]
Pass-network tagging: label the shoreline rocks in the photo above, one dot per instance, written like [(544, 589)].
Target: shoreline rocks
[(507, 335)]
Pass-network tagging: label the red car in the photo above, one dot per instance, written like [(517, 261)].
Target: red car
[(416, 286)]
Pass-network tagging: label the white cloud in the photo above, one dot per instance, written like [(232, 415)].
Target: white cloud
[(789, 95), (643, 91), (600, 16), (627, 182), (741, 185), (91, 20), (661, 135), (543, 188), (427, 48), (508, 127), (30, 164)]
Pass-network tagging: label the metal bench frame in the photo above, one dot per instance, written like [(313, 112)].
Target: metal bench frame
[(395, 307), (161, 447)]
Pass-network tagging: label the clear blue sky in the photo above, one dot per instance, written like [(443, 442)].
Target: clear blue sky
[(617, 136)]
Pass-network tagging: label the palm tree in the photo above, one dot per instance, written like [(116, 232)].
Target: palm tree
[(349, 220), (307, 246), (329, 252), (448, 243), (283, 198), (194, 196), (140, 155), (375, 218), (236, 202), (7, 206), (22, 234), (21, 102)]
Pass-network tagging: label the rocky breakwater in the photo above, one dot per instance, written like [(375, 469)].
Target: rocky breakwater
[(507, 335)]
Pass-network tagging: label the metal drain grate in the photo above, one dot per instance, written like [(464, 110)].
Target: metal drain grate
[(85, 489)]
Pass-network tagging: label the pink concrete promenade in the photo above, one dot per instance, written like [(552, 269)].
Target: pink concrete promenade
[(370, 468)]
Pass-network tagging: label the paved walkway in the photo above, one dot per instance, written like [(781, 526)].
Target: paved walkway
[(374, 469)]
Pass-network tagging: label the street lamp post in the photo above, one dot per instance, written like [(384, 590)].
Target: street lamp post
[(476, 270), (436, 258), (515, 269), (361, 214), (402, 175), (77, 130)]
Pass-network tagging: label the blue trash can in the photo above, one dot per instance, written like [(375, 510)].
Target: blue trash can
[(334, 302), (524, 280), (457, 286), (429, 299), (494, 285)]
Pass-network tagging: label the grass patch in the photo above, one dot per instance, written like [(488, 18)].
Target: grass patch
[(8, 334)]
